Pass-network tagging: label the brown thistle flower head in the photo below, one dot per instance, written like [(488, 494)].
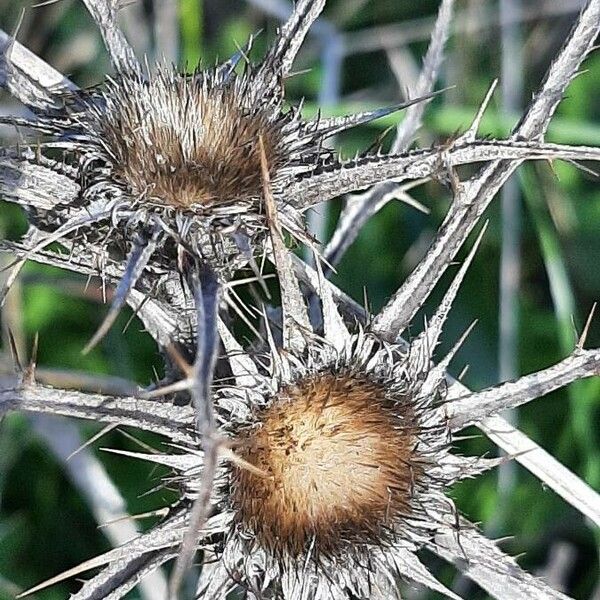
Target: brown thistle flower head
[(166, 160), (185, 141), (339, 460)]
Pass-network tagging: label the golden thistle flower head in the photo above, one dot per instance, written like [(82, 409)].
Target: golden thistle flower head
[(339, 460)]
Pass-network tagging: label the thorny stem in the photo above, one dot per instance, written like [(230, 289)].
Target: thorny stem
[(485, 563), (280, 58), (357, 211), (104, 13), (476, 406), (198, 515), (175, 422), (473, 197), (85, 382), (292, 302), (437, 161), (206, 294)]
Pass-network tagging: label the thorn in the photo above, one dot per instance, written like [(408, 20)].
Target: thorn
[(34, 349), (93, 439), (179, 386), (14, 352), (230, 455), (13, 37), (298, 73), (259, 277), (462, 374), (586, 329), (135, 313), (270, 207), (136, 262), (554, 172), (471, 133), (17, 267), (100, 333), (135, 440), (29, 372), (159, 512)]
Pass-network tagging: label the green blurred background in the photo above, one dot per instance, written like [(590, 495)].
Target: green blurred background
[(351, 61)]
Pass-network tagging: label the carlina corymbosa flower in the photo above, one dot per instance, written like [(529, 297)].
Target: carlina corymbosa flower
[(159, 170), (316, 465)]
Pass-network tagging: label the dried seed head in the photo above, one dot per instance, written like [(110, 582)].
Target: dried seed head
[(339, 467), (171, 160), (184, 140)]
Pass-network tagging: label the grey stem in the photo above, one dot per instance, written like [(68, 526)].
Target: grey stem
[(476, 406), (206, 293), (356, 213), (104, 12), (473, 197)]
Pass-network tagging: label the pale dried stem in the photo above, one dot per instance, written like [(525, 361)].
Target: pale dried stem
[(473, 197), (489, 567), (437, 161), (543, 466), (357, 211), (104, 13), (175, 422), (295, 317), (476, 406), (206, 294)]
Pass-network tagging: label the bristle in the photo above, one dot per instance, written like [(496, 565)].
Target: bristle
[(339, 455)]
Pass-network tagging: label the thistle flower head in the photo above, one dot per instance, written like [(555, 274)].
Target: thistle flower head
[(178, 155), (339, 461), (185, 141), (339, 458)]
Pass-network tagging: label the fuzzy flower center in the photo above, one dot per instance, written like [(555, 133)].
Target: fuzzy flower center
[(337, 460), (176, 141)]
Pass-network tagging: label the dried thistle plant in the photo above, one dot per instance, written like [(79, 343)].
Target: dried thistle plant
[(320, 468)]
